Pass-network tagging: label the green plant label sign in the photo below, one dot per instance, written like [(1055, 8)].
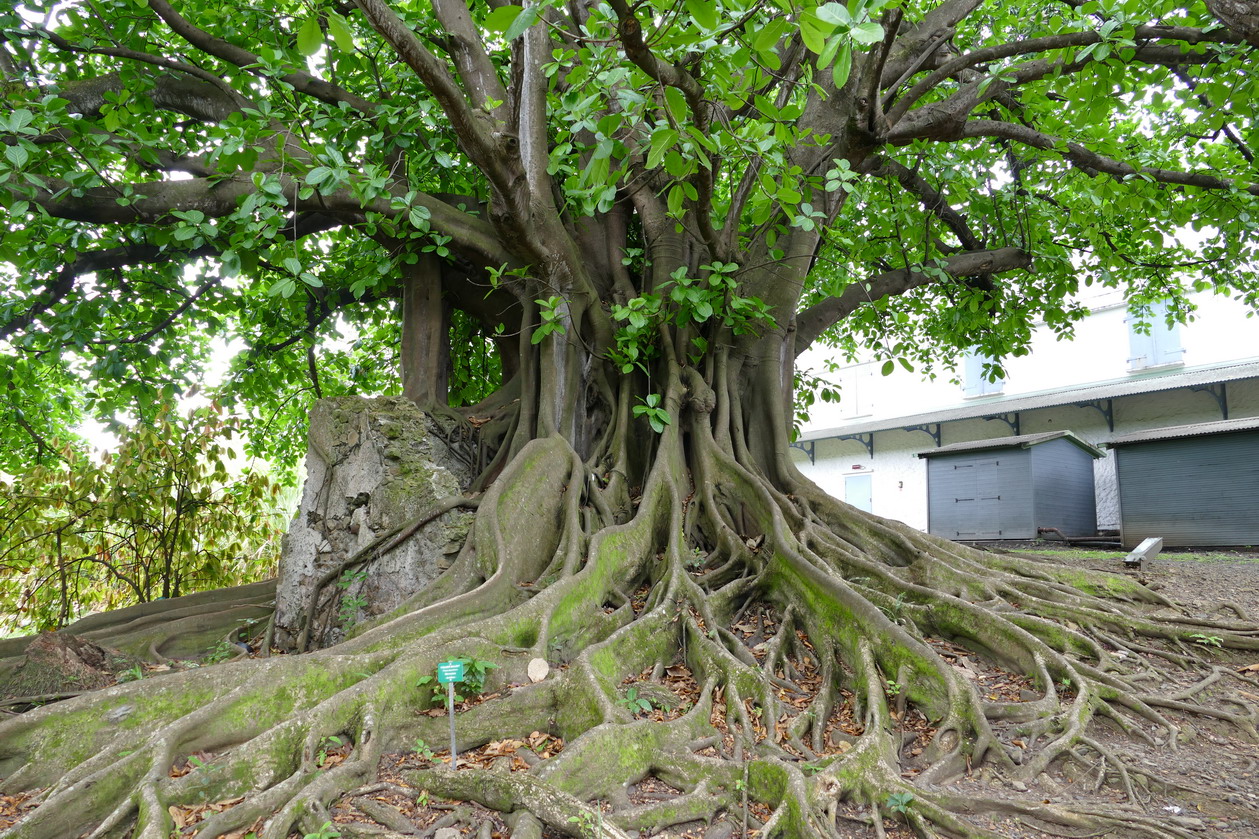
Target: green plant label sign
[(450, 671)]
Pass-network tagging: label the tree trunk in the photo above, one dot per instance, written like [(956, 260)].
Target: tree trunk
[(425, 333)]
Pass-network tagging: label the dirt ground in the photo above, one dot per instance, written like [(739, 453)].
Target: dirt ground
[(1214, 765)]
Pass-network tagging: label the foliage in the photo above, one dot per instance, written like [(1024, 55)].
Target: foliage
[(163, 515), (634, 703), (316, 177), (475, 672), (325, 831), (351, 604), (900, 802)]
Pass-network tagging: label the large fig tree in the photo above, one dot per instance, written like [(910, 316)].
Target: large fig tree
[(613, 228)]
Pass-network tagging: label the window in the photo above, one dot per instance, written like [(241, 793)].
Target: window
[(1151, 342), (856, 390), (974, 381)]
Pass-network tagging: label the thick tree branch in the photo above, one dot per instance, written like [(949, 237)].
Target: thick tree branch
[(1241, 16), (474, 128), (197, 99), (531, 115), (1093, 163), (302, 81), (224, 90), (815, 320), (1176, 34), (933, 200), (463, 43), (156, 201)]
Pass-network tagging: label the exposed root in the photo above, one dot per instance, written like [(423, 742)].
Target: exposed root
[(787, 656)]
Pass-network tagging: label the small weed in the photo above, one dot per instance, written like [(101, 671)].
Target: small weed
[(422, 749), (326, 831), (893, 688), (325, 746), (696, 560), (896, 609), (1206, 640), (222, 651), (634, 703), (900, 802), (587, 823), (475, 672), (351, 604), (131, 674)]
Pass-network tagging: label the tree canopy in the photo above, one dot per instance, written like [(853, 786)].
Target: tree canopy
[(923, 175)]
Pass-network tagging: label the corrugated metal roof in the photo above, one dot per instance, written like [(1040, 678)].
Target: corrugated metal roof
[(998, 405), (1023, 441), (1197, 429)]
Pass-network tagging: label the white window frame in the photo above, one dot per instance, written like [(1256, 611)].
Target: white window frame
[(1160, 347), (974, 383)]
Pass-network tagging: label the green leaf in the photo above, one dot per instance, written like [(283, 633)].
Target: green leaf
[(704, 13), (675, 101), (502, 18), (339, 29), (16, 155), (867, 33), (889, 367), (814, 33), (843, 66), (318, 175), (834, 13), (661, 141), (522, 22), (309, 37)]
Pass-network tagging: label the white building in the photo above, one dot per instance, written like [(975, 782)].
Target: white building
[(1109, 381)]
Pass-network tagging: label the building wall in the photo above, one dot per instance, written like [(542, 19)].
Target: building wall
[(899, 477), (1063, 494), (1219, 333)]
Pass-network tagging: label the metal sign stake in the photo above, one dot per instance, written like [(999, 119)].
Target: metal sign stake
[(450, 712), (449, 672)]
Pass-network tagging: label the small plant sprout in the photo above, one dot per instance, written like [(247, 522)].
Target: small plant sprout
[(893, 688), (326, 745), (325, 831), (587, 823), (1206, 640), (900, 802), (351, 604), (634, 703), (657, 416), (422, 749)]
